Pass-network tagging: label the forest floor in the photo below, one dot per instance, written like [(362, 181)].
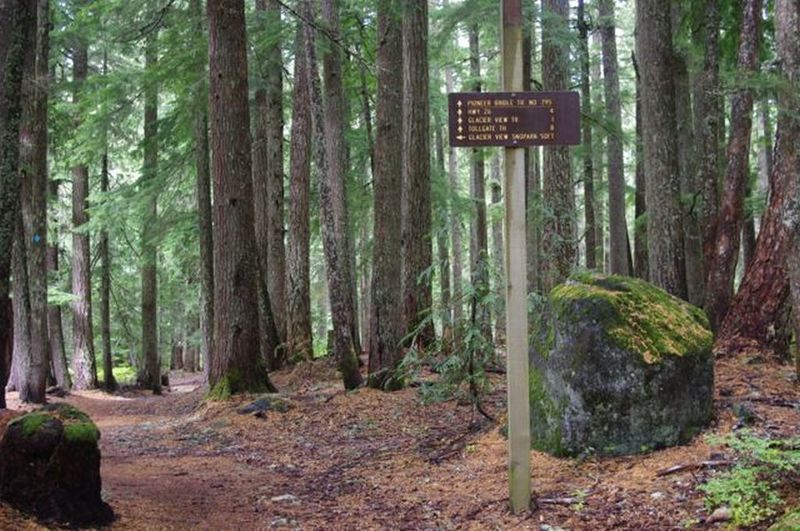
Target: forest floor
[(374, 460)]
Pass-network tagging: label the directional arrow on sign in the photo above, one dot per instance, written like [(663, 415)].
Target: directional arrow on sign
[(459, 103), (460, 129), (460, 137)]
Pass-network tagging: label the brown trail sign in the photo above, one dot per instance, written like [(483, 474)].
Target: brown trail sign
[(514, 119)]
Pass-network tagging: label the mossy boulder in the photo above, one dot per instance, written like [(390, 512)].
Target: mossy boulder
[(618, 366), (50, 466)]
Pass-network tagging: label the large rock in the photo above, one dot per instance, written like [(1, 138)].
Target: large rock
[(618, 366), (50, 466)]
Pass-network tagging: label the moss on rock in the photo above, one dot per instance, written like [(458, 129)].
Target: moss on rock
[(635, 314), (618, 366), (31, 422)]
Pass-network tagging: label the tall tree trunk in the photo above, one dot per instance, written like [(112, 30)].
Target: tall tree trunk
[(533, 188), (55, 332), (497, 250), (558, 239), (270, 337), (641, 268), (84, 367), (664, 223), (268, 185), (33, 179), (417, 215), (333, 203), (455, 223), (203, 188), (442, 236), (22, 311), (590, 230), (692, 239), (150, 377), (236, 362), (298, 335), (599, 152), (755, 311), (109, 382), (386, 313), (617, 224), (722, 265), (708, 118), (15, 20), (479, 233)]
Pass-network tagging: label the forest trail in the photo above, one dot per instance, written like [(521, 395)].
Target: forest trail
[(374, 460)]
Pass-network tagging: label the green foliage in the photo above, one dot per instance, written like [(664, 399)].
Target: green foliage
[(751, 488), (31, 422), (461, 358)]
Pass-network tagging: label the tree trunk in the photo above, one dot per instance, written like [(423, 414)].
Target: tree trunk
[(599, 152), (177, 355), (386, 312), (417, 253), (559, 246), (664, 216), (236, 362), (617, 224), (333, 203), (722, 265), (268, 187), (270, 337), (22, 312), (479, 233), (497, 250), (590, 229), (203, 190), (109, 382), (641, 268), (455, 223), (84, 367), (708, 117), (150, 377), (298, 335), (33, 180), (55, 332), (757, 306), (443, 211), (533, 188)]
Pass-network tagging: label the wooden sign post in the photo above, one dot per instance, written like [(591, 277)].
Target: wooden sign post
[(519, 420), (515, 119)]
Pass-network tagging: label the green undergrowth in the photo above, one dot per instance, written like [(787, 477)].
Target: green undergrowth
[(752, 488), (636, 315)]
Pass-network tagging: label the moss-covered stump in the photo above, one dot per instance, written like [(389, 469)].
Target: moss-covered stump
[(50, 466), (618, 366)]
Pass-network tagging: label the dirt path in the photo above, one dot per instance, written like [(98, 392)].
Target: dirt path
[(373, 460)]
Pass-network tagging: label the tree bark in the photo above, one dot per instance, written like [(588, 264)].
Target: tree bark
[(641, 268), (444, 210), (755, 312), (590, 227), (559, 246), (109, 383), (16, 18), (150, 377), (533, 189), (333, 203), (55, 332), (708, 117), (417, 215), (203, 190), (22, 311), (497, 250), (455, 223), (722, 265), (262, 161), (84, 367), (236, 362), (298, 335), (479, 233), (664, 223), (617, 223), (33, 180), (386, 312)]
